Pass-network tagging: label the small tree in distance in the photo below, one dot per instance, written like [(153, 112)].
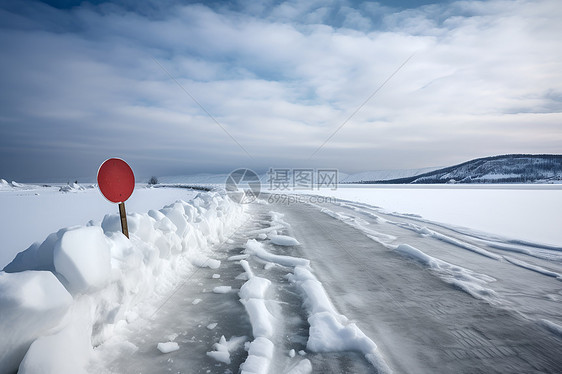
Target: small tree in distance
[(153, 180)]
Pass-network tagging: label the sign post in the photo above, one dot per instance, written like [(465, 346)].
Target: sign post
[(116, 182)]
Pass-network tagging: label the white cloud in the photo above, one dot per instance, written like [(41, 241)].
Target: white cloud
[(485, 79)]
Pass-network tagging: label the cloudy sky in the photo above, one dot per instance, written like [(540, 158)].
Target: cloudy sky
[(182, 87)]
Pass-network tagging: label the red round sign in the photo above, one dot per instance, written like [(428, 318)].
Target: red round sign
[(116, 180)]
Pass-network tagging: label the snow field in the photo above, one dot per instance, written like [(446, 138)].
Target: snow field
[(67, 295), (30, 213), (524, 212)]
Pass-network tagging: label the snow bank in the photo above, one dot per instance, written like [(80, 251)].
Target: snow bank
[(108, 276), (13, 185), (45, 210), (330, 331), (83, 259), (31, 303)]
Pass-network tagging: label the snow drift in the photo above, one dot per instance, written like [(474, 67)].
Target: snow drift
[(66, 295)]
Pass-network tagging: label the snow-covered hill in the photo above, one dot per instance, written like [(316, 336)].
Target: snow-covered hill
[(496, 169), (372, 175), (383, 175)]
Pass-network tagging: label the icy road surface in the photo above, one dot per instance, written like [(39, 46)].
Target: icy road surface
[(433, 299)]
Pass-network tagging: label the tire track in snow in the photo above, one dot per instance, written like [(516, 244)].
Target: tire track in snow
[(329, 330)]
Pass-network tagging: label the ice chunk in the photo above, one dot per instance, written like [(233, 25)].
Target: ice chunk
[(168, 347), (224, 347), (203, 261), (256, 248), (238, 257), (222, 289), (211, 326), (83, 258), (284, 240), (220, 356)]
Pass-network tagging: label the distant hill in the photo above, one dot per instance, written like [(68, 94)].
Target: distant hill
[(515, 168), (382, 175)]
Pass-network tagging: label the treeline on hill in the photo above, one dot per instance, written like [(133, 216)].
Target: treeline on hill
[(517, 168)]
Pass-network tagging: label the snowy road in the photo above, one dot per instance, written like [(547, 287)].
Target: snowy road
[(433, 300)]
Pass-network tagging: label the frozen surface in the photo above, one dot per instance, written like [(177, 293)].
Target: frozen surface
[(524, 212)]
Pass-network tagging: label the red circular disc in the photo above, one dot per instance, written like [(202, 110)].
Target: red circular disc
[(116, 180)]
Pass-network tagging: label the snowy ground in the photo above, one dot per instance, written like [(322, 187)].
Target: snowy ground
[(30, 213), (516, 211), (298, 285)]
